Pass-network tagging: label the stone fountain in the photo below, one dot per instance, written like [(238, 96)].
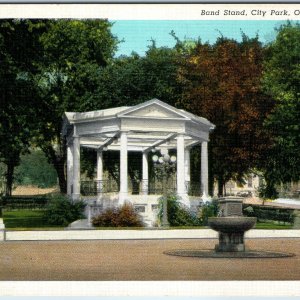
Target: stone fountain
[(231, 225)]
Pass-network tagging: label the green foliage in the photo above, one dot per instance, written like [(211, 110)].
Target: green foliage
[(281, 81), (272, 226), (19, 49), (267, 190), (209, 209), (61, 211), (269, 213), (73, 52), (52, 66), (34, 169), (222, 83), (134, 79), (24, 219), (178, 215), (123, 216), (25, 202)]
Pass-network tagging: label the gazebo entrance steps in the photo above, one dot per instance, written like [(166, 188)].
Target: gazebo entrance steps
[(145, 205)]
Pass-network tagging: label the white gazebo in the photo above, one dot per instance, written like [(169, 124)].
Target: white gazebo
[(144, 127)]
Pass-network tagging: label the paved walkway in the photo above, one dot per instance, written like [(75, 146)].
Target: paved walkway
[(52, 235), (141, 260)]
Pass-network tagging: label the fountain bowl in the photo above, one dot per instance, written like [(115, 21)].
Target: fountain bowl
[(231, 224)]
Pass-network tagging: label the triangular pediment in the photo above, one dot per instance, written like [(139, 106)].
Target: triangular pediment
[(154, 109)]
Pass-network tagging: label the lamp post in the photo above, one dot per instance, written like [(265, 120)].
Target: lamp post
[(164, 164)]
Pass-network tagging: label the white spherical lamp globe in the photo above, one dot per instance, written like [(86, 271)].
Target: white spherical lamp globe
[(173, 158), (155, 158), (166, 157)]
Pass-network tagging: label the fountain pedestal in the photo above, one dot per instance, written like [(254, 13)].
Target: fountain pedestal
[(230, 242), (231, 225)]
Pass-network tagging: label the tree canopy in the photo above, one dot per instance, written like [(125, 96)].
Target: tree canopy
[(248, 90), (19, 49), (73, 53), (281, 81), (222, 83)]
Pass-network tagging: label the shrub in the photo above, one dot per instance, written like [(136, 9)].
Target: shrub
[(123, 216), (266, 191), (209, 209), (61, 211), (178, 214), (269, 213)]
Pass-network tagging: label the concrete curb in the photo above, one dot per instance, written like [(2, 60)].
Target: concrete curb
[(138, 234)]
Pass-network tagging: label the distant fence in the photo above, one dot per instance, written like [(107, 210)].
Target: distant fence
[(24, 202)]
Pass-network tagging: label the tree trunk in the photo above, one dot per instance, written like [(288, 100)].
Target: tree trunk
[(220, 185), (58, 160), (9, 178), (270, 191), (210, 172), (60, 170)]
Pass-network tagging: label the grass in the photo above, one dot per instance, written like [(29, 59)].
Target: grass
[(270, 225), (34, 219), (25, 219)]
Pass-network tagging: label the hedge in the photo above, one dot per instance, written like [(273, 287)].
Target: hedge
[(24, 202), (264, 213)]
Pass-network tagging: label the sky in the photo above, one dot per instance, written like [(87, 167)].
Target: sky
[(137, 34)]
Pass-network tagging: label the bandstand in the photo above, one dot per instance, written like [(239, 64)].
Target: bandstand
[(148, 128)]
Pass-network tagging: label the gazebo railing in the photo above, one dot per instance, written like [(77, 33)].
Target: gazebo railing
[(159, 187), (151, 187), (94, 187), (193, 188)]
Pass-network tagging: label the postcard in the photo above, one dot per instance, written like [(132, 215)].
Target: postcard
[(149, 149)]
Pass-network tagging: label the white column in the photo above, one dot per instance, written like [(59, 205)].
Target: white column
[(145, 182), (123, 168), (180, 166), (99, 172), (76, 168), (204, 170), (69, 169), (187, 168)]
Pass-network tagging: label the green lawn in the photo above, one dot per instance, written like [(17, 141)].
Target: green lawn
[(34, 219), (271, 225), (23, 219)]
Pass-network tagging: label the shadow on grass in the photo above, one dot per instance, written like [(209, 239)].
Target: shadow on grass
[(25, 219)]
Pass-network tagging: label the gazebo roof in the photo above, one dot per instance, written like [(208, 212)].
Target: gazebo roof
[(148, 125)]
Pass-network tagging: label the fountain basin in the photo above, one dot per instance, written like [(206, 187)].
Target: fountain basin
[(231, 232), (231, 224)]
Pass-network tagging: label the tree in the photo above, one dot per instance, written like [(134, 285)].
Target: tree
[(19, 49), (222, 83), (73, 52), (35, 170), (281, 81), (130, 80)]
